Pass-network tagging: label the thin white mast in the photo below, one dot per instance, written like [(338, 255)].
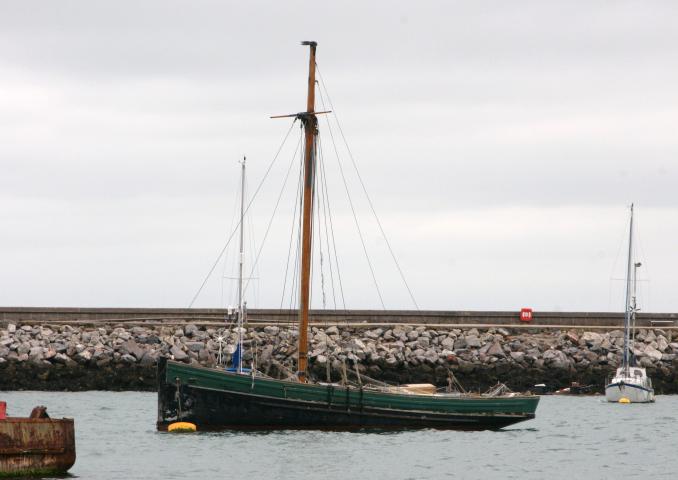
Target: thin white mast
[(241, 309), (628, 306)]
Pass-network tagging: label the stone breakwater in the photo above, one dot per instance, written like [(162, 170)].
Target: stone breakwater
[(117, 358)]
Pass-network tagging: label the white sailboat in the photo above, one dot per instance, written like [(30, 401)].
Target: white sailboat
[(630, 383)]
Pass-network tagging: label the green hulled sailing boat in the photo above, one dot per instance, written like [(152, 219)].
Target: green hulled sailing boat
[(218, 398)]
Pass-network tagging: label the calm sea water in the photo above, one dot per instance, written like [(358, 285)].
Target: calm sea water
[(572, 437)]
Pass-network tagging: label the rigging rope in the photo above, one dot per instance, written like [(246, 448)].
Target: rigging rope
[(292, 230), (641, 254), (622, 242), (369, 200), (270, 222), (252, 248), (316, 192), (329, 216), (230, 226), (355, 218), (294, 293), (325, 200), (230, 237), (314, 146)]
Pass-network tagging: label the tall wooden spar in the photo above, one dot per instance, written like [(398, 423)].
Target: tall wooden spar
[(310, 122)]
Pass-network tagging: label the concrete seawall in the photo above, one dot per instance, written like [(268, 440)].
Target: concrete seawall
[(45, 356), (216, 317)]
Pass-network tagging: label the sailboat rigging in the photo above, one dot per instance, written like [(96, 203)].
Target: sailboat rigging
[(213, 398)]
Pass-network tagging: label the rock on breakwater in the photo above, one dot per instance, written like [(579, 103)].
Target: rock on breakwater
[(63, 357)]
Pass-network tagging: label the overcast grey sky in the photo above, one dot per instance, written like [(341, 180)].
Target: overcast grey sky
[(501, 143)]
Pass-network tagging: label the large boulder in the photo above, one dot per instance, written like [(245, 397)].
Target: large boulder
[(195, 346), (83, 357), (131, 347), (646, 362), (496, 350), (124, 335), (333, 330), (63, 359), (556, 359), (591, 338), (653, 353), (271, 330), (178, 353), (127, 358), (374, 334), (518, 356), (572, 336), (321, 359)]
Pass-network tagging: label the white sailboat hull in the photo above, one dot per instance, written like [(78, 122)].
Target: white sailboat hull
[(636, 388)]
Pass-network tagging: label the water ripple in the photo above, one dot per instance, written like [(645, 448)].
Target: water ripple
[(581, 437)]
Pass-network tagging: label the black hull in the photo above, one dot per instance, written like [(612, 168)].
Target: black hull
[(219, 410)]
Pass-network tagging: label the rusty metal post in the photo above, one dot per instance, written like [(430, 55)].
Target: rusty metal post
[(36, 446)]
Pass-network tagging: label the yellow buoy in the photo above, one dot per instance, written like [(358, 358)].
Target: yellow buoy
[(624, 400), (182, 427)]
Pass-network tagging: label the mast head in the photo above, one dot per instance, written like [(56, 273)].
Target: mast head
[(310, 42)]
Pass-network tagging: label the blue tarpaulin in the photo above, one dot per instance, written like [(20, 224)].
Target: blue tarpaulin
[(235, 361)]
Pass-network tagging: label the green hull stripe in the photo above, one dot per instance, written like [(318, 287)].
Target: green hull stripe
[(212, 379)]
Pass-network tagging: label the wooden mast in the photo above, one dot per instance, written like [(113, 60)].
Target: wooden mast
[(310, 122)]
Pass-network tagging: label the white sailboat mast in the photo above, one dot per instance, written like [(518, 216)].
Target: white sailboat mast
[(628, 306), (242, 235), (241, 261)]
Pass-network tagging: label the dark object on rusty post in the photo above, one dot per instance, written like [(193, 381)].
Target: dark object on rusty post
[(39, 412), (37, 445)]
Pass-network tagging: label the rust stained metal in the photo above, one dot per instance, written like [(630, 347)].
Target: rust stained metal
[(36, 446)]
